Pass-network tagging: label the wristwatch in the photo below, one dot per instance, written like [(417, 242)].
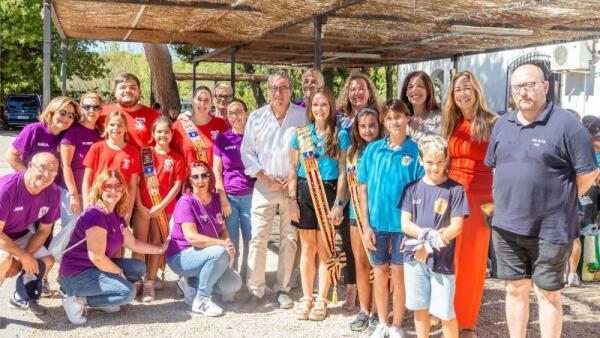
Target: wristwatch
[(339, 203)]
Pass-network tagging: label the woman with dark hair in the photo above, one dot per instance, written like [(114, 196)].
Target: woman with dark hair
[(200, 249), (467, 124), (419, 95)]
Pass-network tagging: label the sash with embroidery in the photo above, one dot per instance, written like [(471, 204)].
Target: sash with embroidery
[(154, 192), (352, 177), (335, 260), (195, 138)]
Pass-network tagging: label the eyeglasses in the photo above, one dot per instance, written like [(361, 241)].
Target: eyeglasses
[(118, 187), (223, 97), (44, 171), (279, 89), (64, 113), (527, 85), (203, 176), (236, 112), (90, 107)]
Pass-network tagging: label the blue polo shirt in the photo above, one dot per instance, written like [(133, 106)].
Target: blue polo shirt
[(386, 172), (535, 191), (327, 166)]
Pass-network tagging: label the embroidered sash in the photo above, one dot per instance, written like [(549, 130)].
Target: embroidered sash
[(154, 192), (195, 138), (352, 177), (335, 261)]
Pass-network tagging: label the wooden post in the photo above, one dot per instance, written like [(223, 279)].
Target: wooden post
[(63, 67), (47, 49), (232, 62), (194, 65), (317, 23)]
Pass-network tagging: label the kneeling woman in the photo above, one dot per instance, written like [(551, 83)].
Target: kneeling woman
[(317, 181), (89, 275), (200, 249)]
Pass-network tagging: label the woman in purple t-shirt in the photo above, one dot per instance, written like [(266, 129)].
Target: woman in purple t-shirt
[(74, 145), (89, 274), (234, 187), (200, 249)]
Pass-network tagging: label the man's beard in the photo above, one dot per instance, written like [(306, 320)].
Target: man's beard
[(128, 104)]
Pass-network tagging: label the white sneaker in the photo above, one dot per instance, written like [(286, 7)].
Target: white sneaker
[(206, 307), (74, 310), (395, 332), (380, 332), (189, 293), (573, 280)]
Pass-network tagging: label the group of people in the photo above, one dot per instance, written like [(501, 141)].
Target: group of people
[(402, 183)]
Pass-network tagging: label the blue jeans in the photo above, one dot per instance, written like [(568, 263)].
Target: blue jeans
[(65, 207), (239, 220), (102, 288), (206, 269)]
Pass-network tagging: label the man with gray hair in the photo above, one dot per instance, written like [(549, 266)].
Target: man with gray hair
[(222, 97), (26, 197), (266, 153)]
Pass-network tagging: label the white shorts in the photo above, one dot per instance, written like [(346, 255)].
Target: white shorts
[(22, 243)]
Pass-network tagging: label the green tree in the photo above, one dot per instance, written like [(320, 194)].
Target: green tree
[(21, 41)]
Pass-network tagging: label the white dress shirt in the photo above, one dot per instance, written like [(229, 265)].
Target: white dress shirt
[(266, 144)]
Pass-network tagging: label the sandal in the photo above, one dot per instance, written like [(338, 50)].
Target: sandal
[(303, 308), (148, 294), (319, 310)]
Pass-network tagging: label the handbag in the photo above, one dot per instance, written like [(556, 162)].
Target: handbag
[(58, 245)]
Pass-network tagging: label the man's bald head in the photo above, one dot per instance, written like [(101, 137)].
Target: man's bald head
[(530, 69), (44, 158)]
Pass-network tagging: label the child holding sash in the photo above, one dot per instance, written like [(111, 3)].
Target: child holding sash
[(366, 129), (164, 173), (317, 189), (387, 166)]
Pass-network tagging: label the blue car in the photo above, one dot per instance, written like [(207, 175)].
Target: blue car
[(21, 109)]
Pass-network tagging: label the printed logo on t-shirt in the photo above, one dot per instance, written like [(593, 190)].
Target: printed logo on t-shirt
[(42, 212), (140, 123), (440, 205), (214, 134), (232, 147), (168, 165), (536, 142), (43, 144), (417, 201), (87, 143), (406, 160), (220, 218), (19, 208), (126, 163), (204, 218)]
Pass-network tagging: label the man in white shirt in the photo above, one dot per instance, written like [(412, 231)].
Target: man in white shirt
[(266, 155)]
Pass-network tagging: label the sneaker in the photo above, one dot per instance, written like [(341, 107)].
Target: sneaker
[(177, 289), (74, 310), (206, 307), (284, 300), (360, 322), (395, 332), (295, 278), (573, 280), (46, 291), (148, 294), (373, 323), (381, 331), (108, 308), (189, 293), (31, 305), (252, 303)]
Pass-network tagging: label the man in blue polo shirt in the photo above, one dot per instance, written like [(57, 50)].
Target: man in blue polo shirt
[(543, 159)]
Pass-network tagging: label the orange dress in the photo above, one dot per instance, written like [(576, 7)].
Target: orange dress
[(471, 252)]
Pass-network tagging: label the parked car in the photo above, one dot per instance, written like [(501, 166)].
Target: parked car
[(21, 109)]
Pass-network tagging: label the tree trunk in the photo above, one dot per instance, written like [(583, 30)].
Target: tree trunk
[(164, 86), (389, 82), (256, 90)]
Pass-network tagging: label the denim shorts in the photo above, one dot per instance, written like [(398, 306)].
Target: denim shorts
[(426, 289), (387, 248)]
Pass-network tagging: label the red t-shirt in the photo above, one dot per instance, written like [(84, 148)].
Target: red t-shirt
[(208, 132), (169, 168), (101, 157), (139, 123)]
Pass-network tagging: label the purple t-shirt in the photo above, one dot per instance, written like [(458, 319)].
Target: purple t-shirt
[(77, 260), (227, 146), (189, 210), (36, 138), (19, 208), (432, 207), (82, 139)]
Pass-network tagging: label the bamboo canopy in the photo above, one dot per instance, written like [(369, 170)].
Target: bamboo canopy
[(353, 32), (220, 77)]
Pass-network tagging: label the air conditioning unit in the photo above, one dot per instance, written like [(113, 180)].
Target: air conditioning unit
[(571, 57)]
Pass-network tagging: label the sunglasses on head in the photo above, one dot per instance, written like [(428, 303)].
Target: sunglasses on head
[(118, 187), (203, 176), (64, 113), (90, 107)]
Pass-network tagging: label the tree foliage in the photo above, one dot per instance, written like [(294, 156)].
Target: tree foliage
[(21, 44)]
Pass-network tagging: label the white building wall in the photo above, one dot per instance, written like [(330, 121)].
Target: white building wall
[(580, 92)]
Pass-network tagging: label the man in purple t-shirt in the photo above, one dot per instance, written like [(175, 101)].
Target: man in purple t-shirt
[(25, 197)]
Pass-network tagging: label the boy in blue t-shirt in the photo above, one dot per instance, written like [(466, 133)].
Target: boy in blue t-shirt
[(387, 166), (433, 210)]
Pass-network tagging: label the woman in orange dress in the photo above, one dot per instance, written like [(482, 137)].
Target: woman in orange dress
[(467, 124)]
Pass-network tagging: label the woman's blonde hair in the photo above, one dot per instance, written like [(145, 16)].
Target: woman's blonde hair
[(344, 103), (56, 104), (483, 119), (94, 197), (91, 95), (433, 144), (112, 115)]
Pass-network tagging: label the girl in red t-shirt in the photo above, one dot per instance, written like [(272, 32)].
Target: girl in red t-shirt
[(169, 170), (113, 153)]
